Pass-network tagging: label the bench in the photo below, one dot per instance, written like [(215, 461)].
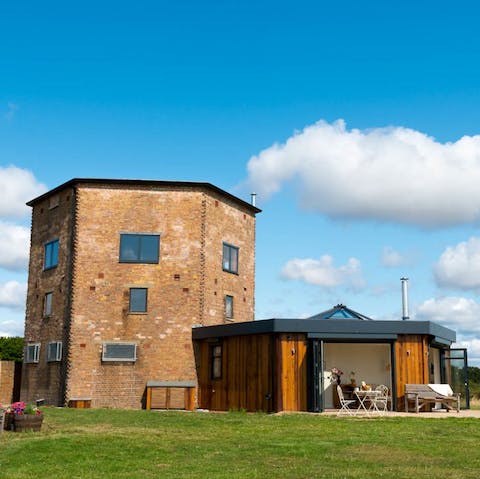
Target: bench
[(422, 395)]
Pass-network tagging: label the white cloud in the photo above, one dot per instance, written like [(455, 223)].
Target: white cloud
[(12, 327), (13, 294), (391, 258), (322, 272), (388, 174), (459, 266), (14, 246), (17, 186), (458, 313)]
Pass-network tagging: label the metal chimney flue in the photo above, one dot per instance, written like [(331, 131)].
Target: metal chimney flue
[(405, 315), (253, 197)]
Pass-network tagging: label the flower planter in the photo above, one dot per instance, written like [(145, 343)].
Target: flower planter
[(27, 422)]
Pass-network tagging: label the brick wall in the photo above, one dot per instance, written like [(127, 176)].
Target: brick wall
[(7, 376), (50, 221), (187, 287)]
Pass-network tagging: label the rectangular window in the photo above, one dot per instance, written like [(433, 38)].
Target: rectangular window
[(139, 248), (32, 352), (119, 352), (217, 361), (47, 305), (230, 258), (51, 254), (54, 351), (228, 306), (138, 300)]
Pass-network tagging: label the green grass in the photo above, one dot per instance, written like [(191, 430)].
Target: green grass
[(92, 443)]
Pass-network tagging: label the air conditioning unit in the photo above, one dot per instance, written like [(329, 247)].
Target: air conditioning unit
[(119, 352)]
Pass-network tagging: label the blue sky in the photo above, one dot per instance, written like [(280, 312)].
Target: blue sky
[(356, 124)]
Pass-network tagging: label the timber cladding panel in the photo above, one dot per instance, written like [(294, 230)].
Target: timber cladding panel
[(247, 380), (411, 356), (292, 372)]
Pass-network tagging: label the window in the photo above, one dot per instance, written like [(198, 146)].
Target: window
[(138, 300), (119, 352), (47, 305), (228, 306), (54, 351), (139, 248), (230, 258), (32, 353), (217, 361), (51, 254)]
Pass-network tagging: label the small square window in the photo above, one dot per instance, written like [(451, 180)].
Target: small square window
[(228, 306), (51, 254), (54, 351), (139, 248), (47, 305), (217, 361), (230, 258), (32, 352), (138, 300)]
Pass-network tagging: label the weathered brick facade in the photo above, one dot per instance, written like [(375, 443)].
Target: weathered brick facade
[(91, 287)]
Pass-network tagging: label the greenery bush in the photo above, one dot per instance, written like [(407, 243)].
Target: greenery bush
[(11, 349)]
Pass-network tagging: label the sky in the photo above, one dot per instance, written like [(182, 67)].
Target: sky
[(356, 123)]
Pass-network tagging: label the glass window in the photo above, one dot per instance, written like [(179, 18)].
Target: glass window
[(51, 254), (216, 361), (230, 258), (32, 353), (139, 248), (229, 307), (54, 351), (138, 300), (47, 305)]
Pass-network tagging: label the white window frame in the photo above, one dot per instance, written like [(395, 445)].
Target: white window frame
[(31, 358), (111, 344), (57, 353)]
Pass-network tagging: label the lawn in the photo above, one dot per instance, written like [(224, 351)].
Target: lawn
[(92, 443)]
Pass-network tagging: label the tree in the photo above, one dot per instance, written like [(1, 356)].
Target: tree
[(11, 349)]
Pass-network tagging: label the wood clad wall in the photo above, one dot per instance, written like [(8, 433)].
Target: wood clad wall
[(291, 387), (411, 356), (247, 380)]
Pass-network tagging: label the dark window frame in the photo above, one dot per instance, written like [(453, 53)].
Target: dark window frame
[(216, 353), (139, 248), (229, 306), (145, 301), (230, 254), (51, 251)]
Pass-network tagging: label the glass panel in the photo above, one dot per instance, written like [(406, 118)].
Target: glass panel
[(129, 245), (457, 374), (48, 304), (234, 260), (229, 306), (138, 300), (119, 352), (149, 248), (51, 254), (226, 257)]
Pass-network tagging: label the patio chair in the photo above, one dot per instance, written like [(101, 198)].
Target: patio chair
[(344, 403), (380, 402)]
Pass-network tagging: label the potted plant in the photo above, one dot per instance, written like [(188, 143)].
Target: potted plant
[(21, 417)]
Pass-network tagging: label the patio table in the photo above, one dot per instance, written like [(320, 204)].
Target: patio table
[(363, 397)]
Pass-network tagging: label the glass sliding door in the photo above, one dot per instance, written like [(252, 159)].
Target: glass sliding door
[(455, 373)]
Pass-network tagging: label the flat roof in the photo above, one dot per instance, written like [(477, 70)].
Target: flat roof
[(152, 183), (340, 329)]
